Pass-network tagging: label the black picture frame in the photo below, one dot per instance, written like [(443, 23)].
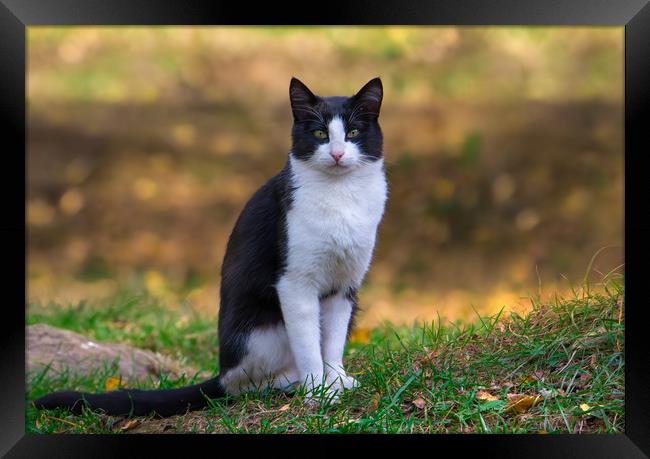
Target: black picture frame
[(16, 15)]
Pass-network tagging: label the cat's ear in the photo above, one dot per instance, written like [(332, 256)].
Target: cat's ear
[(369, 98), (302, 99)]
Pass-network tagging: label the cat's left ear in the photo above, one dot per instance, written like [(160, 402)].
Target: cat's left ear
[(302, 99), (369, 97)]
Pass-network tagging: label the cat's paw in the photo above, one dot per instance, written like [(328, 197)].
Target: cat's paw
[(349, 383), (342, 381), (327, 392), (321, 396), (323, 399)]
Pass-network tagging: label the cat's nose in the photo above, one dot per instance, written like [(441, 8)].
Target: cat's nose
[(337, 155)]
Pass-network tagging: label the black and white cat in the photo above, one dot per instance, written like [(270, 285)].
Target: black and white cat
[(293, 265)]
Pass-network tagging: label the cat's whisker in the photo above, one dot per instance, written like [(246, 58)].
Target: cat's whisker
[(354, 112), (362, 114), (309, 109)]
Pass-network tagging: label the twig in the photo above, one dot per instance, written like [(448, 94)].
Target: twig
[(567, 364), (64, 420)]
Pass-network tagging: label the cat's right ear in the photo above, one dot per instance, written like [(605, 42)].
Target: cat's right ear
[(302, 100)]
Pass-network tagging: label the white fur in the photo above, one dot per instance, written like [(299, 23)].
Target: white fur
[(322, 159), (335, 317), (268, 362), (331, 226)]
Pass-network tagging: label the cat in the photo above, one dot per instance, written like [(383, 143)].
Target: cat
[(293, 265)]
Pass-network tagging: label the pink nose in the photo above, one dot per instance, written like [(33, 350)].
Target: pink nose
[(337, 155)]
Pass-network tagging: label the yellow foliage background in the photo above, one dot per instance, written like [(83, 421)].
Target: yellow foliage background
[(504, 150)]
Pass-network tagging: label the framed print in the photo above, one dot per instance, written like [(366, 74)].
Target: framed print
[(412, 220)]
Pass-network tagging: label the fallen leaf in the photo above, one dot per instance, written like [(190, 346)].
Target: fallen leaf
[(583, 380), (374, 403), (130, 424), (284, 407), (407, 408), (419, 403), (585, 407), (484, 396), (360, 335), (520, 403), (112, 383), (528, 379)]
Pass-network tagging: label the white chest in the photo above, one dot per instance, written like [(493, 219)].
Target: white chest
[(332, 226)]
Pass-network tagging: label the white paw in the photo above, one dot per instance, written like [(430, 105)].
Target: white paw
[(342, 381), (324, 398), (323, 393)]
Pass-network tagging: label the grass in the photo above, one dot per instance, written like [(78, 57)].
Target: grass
[(557, 369)]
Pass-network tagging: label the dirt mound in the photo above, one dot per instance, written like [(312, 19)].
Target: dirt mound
[(66, 350)]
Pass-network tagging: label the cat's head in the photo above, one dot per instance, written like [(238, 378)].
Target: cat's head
[(336, 135)]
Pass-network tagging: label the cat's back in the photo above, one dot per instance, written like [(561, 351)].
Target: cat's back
[(254, 253)]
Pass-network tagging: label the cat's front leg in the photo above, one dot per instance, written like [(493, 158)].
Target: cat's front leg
[(336, 313), (300, 311)]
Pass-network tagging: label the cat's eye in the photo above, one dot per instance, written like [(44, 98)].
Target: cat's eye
[(353, 133), (320, 134)]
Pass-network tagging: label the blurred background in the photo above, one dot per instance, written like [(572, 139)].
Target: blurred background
[(504, 151)]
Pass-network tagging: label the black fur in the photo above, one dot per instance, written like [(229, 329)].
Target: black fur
[(254, 261), (137, 402), (351, 295)]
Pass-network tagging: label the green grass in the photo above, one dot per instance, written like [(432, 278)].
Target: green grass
[(139, 320), (567, 355)]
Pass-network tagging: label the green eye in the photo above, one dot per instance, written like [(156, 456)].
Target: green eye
[(353, 133), (320, 134)]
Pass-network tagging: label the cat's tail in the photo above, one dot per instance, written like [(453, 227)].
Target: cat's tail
[(166, 402)]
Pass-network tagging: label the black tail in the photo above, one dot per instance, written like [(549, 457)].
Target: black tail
[(137, 402)]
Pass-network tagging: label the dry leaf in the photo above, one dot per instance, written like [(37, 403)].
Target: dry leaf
[(130, 424), (585, 407), (360, 335), (484, 396), (284, 407), (419, 403), (113, 383), (539, 375), (528, 379), (583, 380), (520, 403), (375, 402)]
